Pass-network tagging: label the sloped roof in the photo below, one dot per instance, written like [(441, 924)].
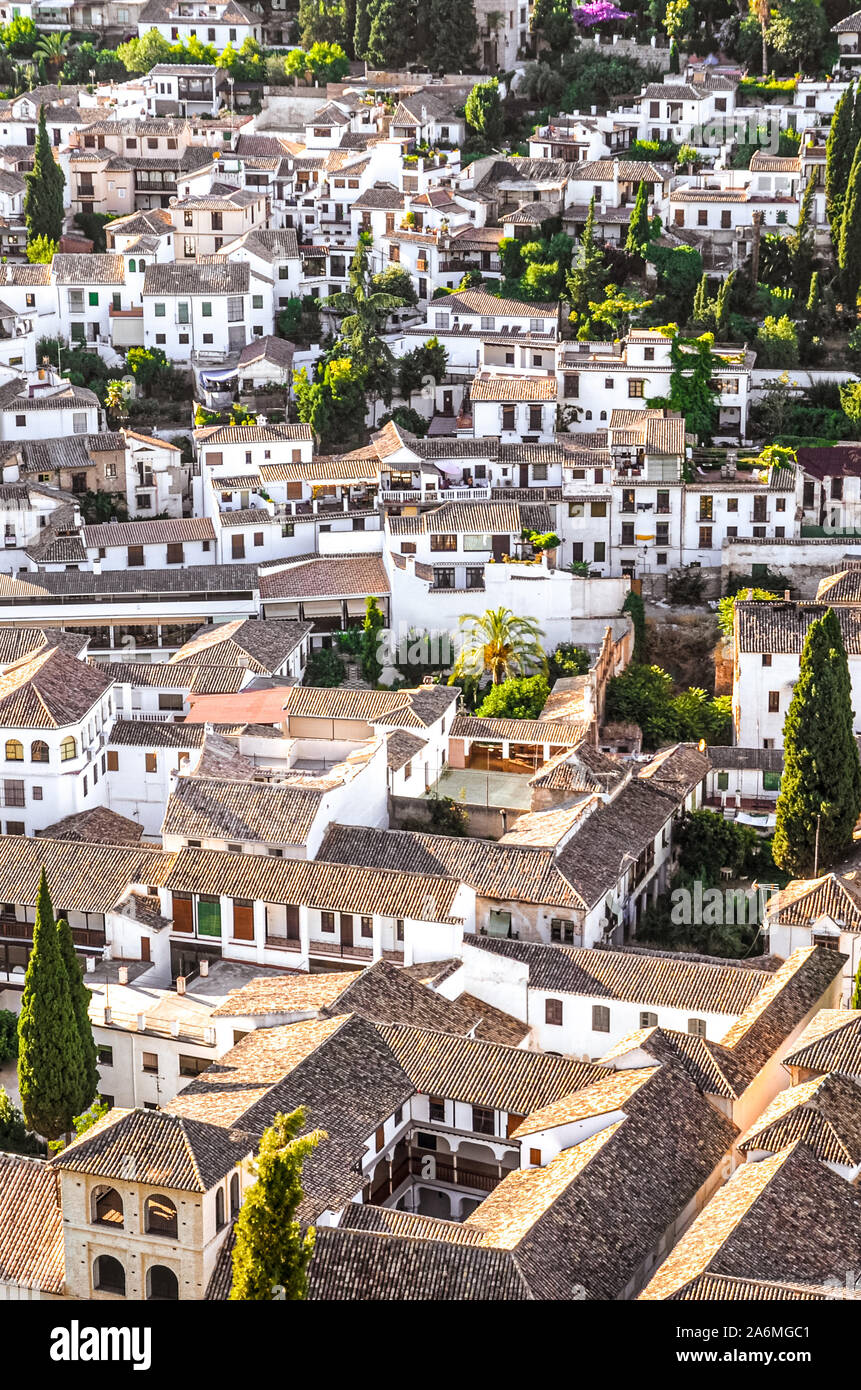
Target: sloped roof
[(153, 1147), (32, 1247)]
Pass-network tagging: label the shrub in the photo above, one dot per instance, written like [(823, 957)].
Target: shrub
[(520, 697), (568, 660), (8, 1036), (447, 817), (325, 667)]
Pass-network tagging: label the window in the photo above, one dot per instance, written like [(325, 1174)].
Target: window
[(105, 1056), (697, 1027), (536, 416), (636, 387), (327, 921), (162, 1284), (113, 760), (206, 310), (367, 926), (702, 217), (14, 751), (109, 1275), (257, 301), (553, 1012), (726, 218), (234, 1195), (771, 780), (151, 762), (535, 1158), (627, 533), (160, 1216), (648, 1020), (436, 1109), (107, 1207), (774, 701), (443, 542), (175, 553), (149, 1062), (600, 1018), (13, 793), (135, 557), (597, 508), (705, 538), (237, 547), (208, 916), (722, 781), (68, 749), (160, 311), (706, 507), (508, 417), (483, 1120), (192, 1066)]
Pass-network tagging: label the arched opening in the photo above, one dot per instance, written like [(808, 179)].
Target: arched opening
[(107, 1207), (68, 749), (160, 1216), (219, 1209), (39, 752), (234, 1195), (110, 1277), (14, 750), (161, 1283), (131, 264)]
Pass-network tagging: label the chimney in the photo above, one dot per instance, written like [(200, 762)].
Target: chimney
[(180, 984)]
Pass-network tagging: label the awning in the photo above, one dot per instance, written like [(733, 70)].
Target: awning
[(222, 374)]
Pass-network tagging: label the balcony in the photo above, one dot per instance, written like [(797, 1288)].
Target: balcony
[(283, 943), (14, 930), (341, 950)]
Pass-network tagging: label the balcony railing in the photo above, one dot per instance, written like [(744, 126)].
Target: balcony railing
[(283, 943), (339, 948), (23, 931)]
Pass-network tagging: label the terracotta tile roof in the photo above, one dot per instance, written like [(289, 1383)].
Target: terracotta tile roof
[(823, 1113), (657, 431), (419, 708), (593, 859), (602, 1097), (202, 809), (18, 643), (190, 676), (724, 1288), (844, 587), (331, 576), (499, 872), (676, 770), (123, 533), (490, 306), (803, 901), (787, 1218), (371, 1266), (548, 826), (181, 579), (32, 1248), (103, 268), (261, 645), (584, 769), (139, 733), (489, 387), (362, 1216), (87, 877), (402, 747), (667, 980), (162, 1150), (830, 1042), (289, 993), (189, 277), (253, 434), (317, 884), (49, 690), (320, 469), (100, 825), (496, 517), (781, 627)]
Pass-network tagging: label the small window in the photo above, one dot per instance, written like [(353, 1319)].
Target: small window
[(535, 1158), (648, 1020), (723, 781), (151, 762), (697, 1027), (436, 1109), (774, 701), (327, 921), (105, 1056), (68, 749), (600, 1018), (192, 1066), (766, 658), (113, 760), (149, 1062), (483, 1119), (14, 750), (553, 1012)]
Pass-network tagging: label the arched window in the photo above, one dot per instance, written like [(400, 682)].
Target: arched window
[(141, 265), (234, 1195), (14, 750), (107, 1206), (161, 1283), (219, 1209), (603, 414), (160, 1216), (109, 1275), (131, 264), (68, 749), (588, 415), (39, 752)]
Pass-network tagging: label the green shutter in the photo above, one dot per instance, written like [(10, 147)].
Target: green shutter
[(208, 918)]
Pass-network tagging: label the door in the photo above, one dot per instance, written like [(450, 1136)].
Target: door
[(524, 475), (501, 546), (145, 951), (448, 402), (346, 930)]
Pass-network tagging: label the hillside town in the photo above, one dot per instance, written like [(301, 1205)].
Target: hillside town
[(430, 441)]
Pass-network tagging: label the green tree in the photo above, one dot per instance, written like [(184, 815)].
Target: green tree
[(585, 281), (551, 22), (324, 62), (395, 280), (820, 791), (519, 697), (52, 49), (321, 21), (798, 30), (762, 10), (146, 365), (80, 1002), (19, 37), (371, 629), (139, 55), (692, 391), (52, 1070), (777, 342), (334, 403), (43, 201), (568, 660), (41, 250), (839, 151), (14, 1135), (639, 230), (801, 240), (363, 311), (849, 247), (452, 36), (702, 303), (362, 30), (722, 305), (483, 111), (499, 644), (272, 1252), (856, 992), (392, 36)]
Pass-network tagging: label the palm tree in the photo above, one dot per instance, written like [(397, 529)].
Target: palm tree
[(500, 643), (363, 312), (762, 9), (52, 48)]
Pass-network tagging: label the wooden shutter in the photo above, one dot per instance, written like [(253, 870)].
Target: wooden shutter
[(243, 920), (182, 914), (292, 922), (294, 492)]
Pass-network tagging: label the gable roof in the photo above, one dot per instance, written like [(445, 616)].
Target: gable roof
[(824, 1113), (153, 1147), (203, 808), (49, 690), (260, 644), (830, 1042)]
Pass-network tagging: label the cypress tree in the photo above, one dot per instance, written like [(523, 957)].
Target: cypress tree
[(849, 248), (362, 29), (639, 231), (856, 117), (721, 307), (701, 301), (813, 301), (80, 1002), (43, 202), (822, 773), (51, 1065), (855, 1002), (452, 36), (800, 242), (272, 1252), (392, 33), (839, 149), (585, 281)]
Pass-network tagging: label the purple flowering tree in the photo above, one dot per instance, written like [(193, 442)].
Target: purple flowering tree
[(598, 12)]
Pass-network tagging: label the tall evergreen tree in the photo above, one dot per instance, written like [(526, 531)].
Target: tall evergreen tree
[(585, 281), (721, 313), (839, 149), (483, 111), (801, 240), (849, 248), (349, 28), (856, 992), (321, 21), (821, 783), (702, 301), (392, 34), (80, 1001), (51, 1064), (272, 1252), (452, 36), (639, 230), (43, 201), (362, 28)]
